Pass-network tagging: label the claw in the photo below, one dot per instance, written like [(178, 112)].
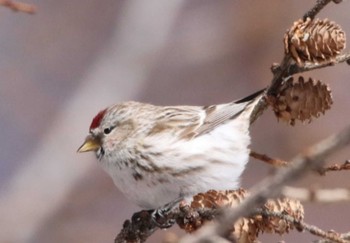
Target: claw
[(160, 215)]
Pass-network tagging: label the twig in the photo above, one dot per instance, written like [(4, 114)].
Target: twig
[(141, 226), (288, 68), (282, 163), (294, 68), (270, 187), (280, 74), (316, 9), (335, 167), (332, 236), (317, 195), (268, 160), (207, 206), (18, 6), (138, 229), (345, 236)]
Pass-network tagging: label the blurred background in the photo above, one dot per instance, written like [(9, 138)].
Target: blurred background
[(62, 65)]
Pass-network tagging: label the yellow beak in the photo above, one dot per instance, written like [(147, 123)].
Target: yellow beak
[(90, 144)]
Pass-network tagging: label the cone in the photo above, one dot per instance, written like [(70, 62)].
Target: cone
[(301, 100), (314, 41)]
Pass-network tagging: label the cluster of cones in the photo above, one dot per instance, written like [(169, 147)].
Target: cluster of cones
[(244, 230), (307, 42)]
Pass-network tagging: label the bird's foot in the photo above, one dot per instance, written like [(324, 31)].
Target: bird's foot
[(160, 216)]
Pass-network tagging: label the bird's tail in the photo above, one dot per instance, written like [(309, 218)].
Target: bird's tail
[(251, 97), (250, 104)]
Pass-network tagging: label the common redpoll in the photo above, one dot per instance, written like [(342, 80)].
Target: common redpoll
[(157, 154)]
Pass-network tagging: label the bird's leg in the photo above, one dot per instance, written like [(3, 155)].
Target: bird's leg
[(160, 215)]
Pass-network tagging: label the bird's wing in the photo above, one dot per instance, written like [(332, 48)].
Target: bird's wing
[(187, 122), (180, 121), (219, 114)]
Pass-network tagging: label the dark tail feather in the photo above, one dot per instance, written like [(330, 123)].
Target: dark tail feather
[(250, 97)]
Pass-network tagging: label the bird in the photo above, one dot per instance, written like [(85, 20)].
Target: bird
[(157, 154)]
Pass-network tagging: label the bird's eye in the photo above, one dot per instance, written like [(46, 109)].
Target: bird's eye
[(107, 130)]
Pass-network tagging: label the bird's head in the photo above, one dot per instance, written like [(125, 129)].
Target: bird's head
[(108, 128)]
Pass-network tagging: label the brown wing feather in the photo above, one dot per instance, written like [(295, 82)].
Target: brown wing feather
[(181, 121)]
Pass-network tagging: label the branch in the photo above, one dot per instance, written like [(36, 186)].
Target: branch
[(138, 229), (282, 163), (317, 195), (142, 226), (294, 68), (207, 206), (345, 236), (316, 9), (270, 187), (18, 6), (268, 160), (335, 167), (331, 235)]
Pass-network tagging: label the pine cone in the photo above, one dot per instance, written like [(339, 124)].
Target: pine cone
[(216, 199), (277, 225), (301, 100), (315, 41), (245, 230)]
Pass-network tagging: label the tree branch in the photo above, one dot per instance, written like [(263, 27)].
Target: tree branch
[(141, 226), (268, 160), (138, 229), (335, 167), (294, 68), (345, 236), (331, 235), (282, 163), (316, 9)]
